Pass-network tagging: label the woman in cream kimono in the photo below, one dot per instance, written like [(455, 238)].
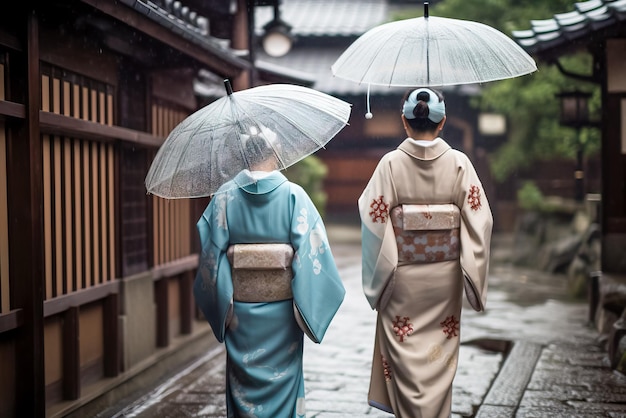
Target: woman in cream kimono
[(262, 321), (415, 279)]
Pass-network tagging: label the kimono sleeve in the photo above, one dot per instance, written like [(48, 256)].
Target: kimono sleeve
[(475, 235), (316, 286), (379, 251), (213, 288)]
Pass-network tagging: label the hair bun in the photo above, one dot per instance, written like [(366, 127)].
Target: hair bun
[(424, 103), (421, 110), (423, 95)]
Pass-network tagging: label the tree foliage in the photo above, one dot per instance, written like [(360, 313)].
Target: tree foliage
[(530, 103)]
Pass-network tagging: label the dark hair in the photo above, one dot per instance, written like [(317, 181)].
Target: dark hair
[(421, 123), (258, 150)]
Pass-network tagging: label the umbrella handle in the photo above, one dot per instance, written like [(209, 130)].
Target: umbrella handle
[(229, 88)]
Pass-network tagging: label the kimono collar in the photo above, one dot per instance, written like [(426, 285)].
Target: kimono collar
[(259, 186), (424, 153)]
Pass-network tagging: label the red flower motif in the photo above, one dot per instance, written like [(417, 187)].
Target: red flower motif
[(473, 198), (450, 326), (386, 368), (380, 210), (402, 327)]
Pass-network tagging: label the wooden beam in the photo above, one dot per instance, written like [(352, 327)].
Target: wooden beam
[(80, 297), (10, 41), (55, 124), (175, 267), (11, 109), (11, 320)]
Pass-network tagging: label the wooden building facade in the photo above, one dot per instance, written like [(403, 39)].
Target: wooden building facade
[(96, 275)]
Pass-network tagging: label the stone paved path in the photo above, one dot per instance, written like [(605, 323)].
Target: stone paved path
[(554, 368)]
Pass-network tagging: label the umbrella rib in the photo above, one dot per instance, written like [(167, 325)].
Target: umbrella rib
[(298, 127), (180, 160), (241, 128), (318, 109), (188, 144)]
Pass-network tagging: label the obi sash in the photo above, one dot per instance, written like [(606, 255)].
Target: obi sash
[(426, 233), (261, 272)]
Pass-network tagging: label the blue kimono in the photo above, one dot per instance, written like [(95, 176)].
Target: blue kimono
[(264, 341)]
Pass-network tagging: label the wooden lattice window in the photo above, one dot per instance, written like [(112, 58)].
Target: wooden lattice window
[(78, 187), (171, 218)]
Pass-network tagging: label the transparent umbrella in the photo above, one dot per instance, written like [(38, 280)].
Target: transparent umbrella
[(207, 149), (432, 51)]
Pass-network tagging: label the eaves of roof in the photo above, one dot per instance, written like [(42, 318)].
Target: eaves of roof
[(280, 74), (188, 38), (566, 31)]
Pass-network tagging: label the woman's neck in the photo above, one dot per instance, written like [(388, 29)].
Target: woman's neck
[(267, 165), (422, 136)]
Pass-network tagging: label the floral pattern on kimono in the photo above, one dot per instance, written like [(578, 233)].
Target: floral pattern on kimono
[(418, 296), (380, 254)]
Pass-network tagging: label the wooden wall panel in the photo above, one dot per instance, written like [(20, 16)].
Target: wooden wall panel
[(53, 350), (91, 335)]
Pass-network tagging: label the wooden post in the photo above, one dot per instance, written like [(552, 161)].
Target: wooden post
[(71, 354), (25, 225), (162, 312), (112, 345), (187, 306)]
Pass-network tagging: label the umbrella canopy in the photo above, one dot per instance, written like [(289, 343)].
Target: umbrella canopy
[(208, 148), (432, 51)]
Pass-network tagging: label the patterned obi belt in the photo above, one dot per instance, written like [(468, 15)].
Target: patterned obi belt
[(426, 233), (261, 272)]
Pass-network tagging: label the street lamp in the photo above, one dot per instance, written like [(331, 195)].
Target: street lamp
[(277, 40), (575, 114)]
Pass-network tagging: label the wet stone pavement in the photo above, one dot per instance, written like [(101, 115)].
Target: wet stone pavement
[(531, 354)]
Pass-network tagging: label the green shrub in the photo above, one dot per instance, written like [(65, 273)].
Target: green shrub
[(310, 174), (529, 197)]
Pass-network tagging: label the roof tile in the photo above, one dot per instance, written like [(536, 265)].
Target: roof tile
[(587, 17)]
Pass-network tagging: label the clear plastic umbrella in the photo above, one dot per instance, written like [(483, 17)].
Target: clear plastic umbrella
[(207, 149), (432, 51)]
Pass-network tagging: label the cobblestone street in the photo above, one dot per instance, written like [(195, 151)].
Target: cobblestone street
[(530, 354)]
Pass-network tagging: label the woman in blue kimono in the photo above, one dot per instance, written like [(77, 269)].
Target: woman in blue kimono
[(264, 339)]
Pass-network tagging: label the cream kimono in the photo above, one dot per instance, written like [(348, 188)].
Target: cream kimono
[(419, 303)]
